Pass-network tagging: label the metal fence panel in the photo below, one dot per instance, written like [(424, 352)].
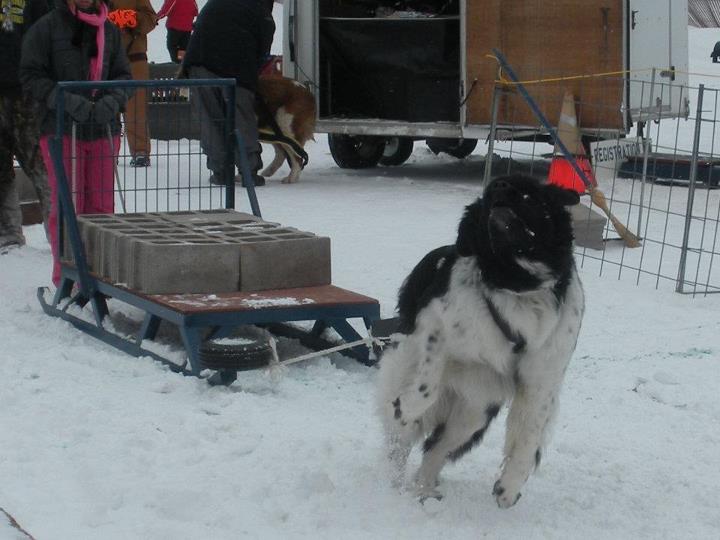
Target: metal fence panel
[(660, 178)]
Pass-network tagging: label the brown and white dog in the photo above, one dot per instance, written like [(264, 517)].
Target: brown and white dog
[(292, 110)]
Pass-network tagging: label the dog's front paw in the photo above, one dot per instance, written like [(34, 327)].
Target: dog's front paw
[(424, 493), (505, 498)]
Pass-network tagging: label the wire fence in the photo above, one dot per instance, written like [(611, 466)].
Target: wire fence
[(152, 149), (656, 163), (178, 176)]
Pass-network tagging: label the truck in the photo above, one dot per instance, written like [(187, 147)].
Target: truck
[(386, 74)]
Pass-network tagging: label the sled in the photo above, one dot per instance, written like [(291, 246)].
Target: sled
[(81, 298), (199, 317)]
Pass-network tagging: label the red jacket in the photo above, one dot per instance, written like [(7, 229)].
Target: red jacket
[(180, 14)]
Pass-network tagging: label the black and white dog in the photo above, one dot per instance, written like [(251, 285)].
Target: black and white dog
[(493, 318)]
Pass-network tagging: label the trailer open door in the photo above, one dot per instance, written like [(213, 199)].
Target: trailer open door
[(548, 40), (300, 40), (657, 38)]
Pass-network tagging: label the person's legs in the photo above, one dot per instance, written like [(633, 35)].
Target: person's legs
[(97, 180), (10, 214), (135, 113), (246, 123), (172, 45), (183, 38), (209, 108), (27, 152)]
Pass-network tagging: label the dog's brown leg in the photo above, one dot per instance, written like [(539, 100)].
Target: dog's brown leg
[(295, 169), (276, 162)]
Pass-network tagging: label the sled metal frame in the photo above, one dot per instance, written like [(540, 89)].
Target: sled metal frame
[(194, 325)]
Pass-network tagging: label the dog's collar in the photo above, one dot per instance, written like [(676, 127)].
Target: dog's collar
[(516, 338)]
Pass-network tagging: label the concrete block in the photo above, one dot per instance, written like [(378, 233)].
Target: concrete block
[(92, 232), (140, 218), (89, 226), (208, 217), (118, 249), (125, 252), (175, 266), (284, 261), (589, 226), (105, 250), (214, 228)]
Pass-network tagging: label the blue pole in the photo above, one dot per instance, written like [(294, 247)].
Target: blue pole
[(248, 181), (541, 117), (229, 92)]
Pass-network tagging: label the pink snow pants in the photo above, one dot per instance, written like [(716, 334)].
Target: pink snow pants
[(92, 189)]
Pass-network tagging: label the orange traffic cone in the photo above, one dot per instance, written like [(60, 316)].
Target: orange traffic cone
[(563, 174)]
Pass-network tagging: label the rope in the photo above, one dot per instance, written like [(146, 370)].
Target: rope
[(367, 341), (503, 80), (697, 74)]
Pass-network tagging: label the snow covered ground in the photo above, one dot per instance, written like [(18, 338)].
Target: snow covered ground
[(99, 445)]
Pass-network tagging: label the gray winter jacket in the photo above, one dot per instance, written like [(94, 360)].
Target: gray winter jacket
[(58, 47)]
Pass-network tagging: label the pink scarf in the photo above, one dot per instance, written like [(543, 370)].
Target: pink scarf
[(97, 20)]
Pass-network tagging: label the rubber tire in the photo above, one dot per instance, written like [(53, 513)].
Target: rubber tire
[(356, 151), (397, 151), (235, 357), (457, 148)]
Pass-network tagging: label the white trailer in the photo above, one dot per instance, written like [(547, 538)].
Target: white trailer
[(382, 82)]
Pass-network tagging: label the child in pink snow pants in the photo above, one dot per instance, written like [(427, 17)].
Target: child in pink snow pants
[(92, 188), (77, 42)]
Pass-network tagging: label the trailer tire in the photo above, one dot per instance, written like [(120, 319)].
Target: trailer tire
[(356, 151), (457, 148), (397, 151)]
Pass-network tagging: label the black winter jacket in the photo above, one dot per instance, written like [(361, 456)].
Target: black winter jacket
[(57, 48), (14, 23), (232, 38)]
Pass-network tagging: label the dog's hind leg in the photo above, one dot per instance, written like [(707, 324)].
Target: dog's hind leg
[(531, 413), (276, 162)]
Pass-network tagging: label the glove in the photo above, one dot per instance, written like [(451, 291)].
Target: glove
[(78, 107), (106, 109)]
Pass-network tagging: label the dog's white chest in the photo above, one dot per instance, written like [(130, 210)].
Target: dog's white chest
[(491, 328)]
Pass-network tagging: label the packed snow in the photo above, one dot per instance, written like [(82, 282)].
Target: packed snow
[(99, 445)]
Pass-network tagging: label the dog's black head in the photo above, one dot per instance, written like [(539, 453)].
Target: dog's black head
[(520, 232)]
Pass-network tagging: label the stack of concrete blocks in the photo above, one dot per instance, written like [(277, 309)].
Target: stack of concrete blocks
[(588, 226), (211, 251)]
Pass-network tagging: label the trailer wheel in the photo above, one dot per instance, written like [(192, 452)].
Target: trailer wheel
[(356, 151), (397, 151), (458, 148)]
